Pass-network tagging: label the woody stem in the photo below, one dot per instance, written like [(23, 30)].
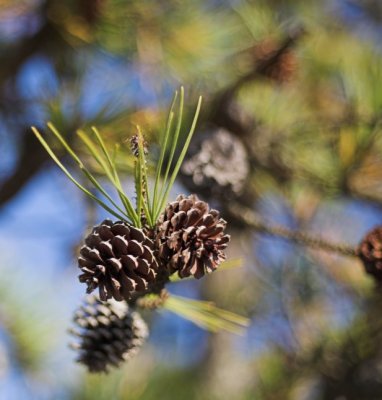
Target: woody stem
[(250, 219)]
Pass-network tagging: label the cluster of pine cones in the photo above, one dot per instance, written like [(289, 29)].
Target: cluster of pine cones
[(125, 263)]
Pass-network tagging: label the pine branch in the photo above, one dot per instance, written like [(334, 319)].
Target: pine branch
[(250, 219), (31, 159)]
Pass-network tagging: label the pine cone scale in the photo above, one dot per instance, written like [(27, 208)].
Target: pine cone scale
[(137, 234), (119, 229), (104, 232), (134, 248), (119, 245), (143, 267), (128, 285), (193, 217), (93, 240), (106, 249), (115, 265)]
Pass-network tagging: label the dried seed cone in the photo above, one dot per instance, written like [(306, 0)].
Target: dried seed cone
[(109, 333), (119, 260), (370, 252), (191, 237)]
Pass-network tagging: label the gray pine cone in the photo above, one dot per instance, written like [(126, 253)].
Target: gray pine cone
[(191, 237), (109, 333), (119, 260), (218, 165)]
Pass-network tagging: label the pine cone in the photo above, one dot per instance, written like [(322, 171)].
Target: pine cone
[(118, 259), (109, 333), (218, 165), (370, 252), (191, 237)]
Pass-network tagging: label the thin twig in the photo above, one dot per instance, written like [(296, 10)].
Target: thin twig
[(250, 218)]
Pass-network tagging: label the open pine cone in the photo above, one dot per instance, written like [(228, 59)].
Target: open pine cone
[(118, 259), (370, 252), (191, 237), (109, 333)]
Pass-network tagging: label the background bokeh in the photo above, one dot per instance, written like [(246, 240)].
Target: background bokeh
[(299, 85)]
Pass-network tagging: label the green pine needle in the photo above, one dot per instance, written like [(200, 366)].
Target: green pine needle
[(171, 181), (84, 170), (110, 170), (148, 205), (67, 173), (206, 315), (163, 141), (174, 140)]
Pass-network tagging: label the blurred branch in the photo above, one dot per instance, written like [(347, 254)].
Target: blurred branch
[(249, 218), (48, 38), (31, 156), (363, 150), (91, 10), (31, 159), (18, 55), (49, 41)]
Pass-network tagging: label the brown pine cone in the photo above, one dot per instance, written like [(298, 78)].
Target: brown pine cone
[(191, 237), (370, 252), (119, 260), (109, 333)]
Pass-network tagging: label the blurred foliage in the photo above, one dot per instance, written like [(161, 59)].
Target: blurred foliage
[(307, 107)]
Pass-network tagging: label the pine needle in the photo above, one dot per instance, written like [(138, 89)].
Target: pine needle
[(67, 173), (170, 183), (206, 315)]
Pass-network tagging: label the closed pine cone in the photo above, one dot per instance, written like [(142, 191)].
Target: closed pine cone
[(118, 259), (109, 333)]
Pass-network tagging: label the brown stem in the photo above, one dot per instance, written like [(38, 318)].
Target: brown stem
[(249, 218), (152, 303)]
